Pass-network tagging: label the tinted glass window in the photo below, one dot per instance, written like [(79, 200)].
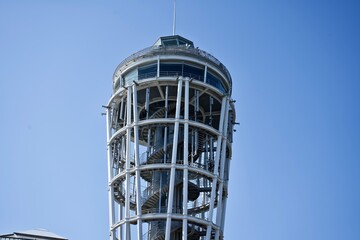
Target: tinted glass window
[(193, 72), (170, 42), (130, 77), (148, 71), (214, 81), (170, 69)]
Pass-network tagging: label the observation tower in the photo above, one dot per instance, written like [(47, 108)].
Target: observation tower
[(169, 133)]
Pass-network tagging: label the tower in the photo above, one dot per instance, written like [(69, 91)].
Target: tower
[(169, 134)]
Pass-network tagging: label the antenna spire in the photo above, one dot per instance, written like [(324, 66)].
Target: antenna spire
[(174, 20)]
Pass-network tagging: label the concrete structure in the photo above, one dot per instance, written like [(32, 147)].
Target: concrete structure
[(37, 234), (169, 134)]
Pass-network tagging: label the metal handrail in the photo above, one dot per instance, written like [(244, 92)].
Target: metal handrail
[(161, 160), (164, 74), (13, 238)]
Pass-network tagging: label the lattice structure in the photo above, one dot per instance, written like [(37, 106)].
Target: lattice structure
[(169, 133)]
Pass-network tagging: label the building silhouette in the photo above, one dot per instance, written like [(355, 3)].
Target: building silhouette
[(37, 234), (169, 133)]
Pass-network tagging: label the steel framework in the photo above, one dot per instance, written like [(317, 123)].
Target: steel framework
[(169, 134)]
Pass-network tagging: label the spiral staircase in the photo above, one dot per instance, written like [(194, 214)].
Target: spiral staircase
[(154, 191)]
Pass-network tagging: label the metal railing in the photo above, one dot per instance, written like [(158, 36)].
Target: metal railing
[(140, 77), (15, 238)]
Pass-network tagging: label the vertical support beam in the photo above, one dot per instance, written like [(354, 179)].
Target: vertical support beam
[(127, 165), (186, 159), (166, 128), (121, 216), (223, 215), (120, 83), (196, 104), (122, 110), (137, 164), (123, 150), (158, 67), (205, 73), (110, 174), (219, 214), (216, 167), (147, 102), (225, 200), (160, 187), (116, 114), (173, 161)]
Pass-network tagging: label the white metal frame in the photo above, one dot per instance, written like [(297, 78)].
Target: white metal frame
[(211, 219)]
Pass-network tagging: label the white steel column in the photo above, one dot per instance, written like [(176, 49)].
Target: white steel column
[(127, 165), (186, 159), (121, 215), (173, 161), (137, 164), (225, 200), (216, 168), (110, 174), (166, 128), (223, 215), (205, 73), (158, 67), (222, 170)]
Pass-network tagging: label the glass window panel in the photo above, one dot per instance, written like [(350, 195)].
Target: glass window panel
[(214, 81), (148, 71), (170, 42), (131, 76), (193, 72), (170, 69)]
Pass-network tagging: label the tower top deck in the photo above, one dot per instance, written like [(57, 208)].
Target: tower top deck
[(174, 46), (175, 40)]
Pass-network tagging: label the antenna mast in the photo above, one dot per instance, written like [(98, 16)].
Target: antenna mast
[(174, 20)]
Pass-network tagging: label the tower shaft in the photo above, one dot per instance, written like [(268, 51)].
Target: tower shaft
[(169, 125)]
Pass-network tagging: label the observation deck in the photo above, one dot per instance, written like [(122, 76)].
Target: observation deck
[(204, 66)]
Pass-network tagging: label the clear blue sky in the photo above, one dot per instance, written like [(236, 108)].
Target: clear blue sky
[(295, 172)]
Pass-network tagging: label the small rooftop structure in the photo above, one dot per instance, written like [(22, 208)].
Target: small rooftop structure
[(36, 234), (175, 40)]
